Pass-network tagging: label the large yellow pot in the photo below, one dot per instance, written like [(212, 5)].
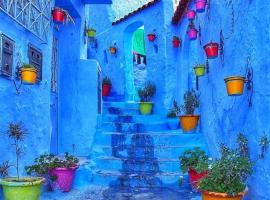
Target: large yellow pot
[(189, 122), (220, 196), (29, 75), (235, 85)]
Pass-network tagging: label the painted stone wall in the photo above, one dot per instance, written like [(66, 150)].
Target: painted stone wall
[(32, 105)]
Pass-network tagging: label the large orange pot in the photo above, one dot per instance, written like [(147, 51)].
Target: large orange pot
[(235, 85), (189, 122), (29, 75), (220, 196)]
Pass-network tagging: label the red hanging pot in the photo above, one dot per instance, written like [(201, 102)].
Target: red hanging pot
[(151, 37), (58, 15), (106, 88), (195, 177), (211, 50), (176, 43), (191, 14)]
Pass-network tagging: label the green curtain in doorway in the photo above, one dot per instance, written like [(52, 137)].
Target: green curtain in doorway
[(138, 42)]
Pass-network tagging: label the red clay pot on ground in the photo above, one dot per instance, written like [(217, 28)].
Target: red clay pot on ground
[(106, 88), (58, 15), (195, 177)]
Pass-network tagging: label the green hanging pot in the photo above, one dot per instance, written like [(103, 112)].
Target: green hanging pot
[(91, 32), (199, 70)]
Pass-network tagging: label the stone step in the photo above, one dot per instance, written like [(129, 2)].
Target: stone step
[(134, 105), (166, 138), (144, 151), (132, 118), (120, 111)]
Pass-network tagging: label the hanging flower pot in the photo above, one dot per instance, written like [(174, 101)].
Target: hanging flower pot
[(28, 74), (220, 196), (195, 177), (200, 5), (176, 41), (106, 86), (199, 70), (151, 37), (211, 50), (235, 85), (58, 15), (112, 50), (192, 34), (91, 32), (191, 14), (189, 122)]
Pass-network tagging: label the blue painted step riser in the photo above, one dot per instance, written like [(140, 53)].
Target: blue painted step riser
[(121, 105), (132, 118), (117, 111), (162, 139)]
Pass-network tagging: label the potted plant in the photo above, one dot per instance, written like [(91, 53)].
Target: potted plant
[(106, 86), (189, 121), (176, 41), (192, 31), (151, 37), (199, 70), (20, 188), (90, 32), (145, 95), (200, 5), (196, 163), (28, 74), (211, 50), (235, 85), (61, 16), (191, 14), (173, 123), (60, 171), (113, 49)]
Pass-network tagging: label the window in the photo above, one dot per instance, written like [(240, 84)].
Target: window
[(7, 51), (35, 58)]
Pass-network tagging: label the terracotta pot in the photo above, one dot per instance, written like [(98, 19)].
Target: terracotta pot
[(106, 89), (28, 75), (200, 5), (189, 122), (195, 177), (235, 85), (176, 43), (58, 15), (151, 37), (192, 34), (112, 50), (211, 50), (220, 196), (191, 14)]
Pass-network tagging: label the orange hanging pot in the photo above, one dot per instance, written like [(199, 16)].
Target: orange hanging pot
[(112, 50), (28, 75), (235, 85), (189, 122), (220, 196)]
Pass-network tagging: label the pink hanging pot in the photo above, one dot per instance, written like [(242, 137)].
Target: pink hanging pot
[(200, 5), (191, 14), (192, 34)]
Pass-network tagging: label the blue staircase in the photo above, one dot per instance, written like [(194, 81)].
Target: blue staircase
[(137, 151)]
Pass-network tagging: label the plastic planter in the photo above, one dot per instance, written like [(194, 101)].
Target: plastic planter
[(173, 124), (195, 177), (189, 122), (191, 14), (112, 50), (58, 15), (151, 37), (211, 50), (106, 89), (176, 43), (64, 178), (28, 75), (146, 108), (200, 5), (192, 34), (199, 70), (25, 189), (235, 85), (91, 32), (220, 196)]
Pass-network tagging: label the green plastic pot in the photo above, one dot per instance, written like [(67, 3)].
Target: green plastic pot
[(199, 70), (91, 32), (146, 108), (27, 188)]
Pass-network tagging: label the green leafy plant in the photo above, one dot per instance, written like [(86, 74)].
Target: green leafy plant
[(195, 159), (199, 66), (4, 169), (106, 81), (17, 133), (176, 38), (173, 112), (147, 92), (264, 144), (191, 102), (27, 65), (228, 174), (243, 145)]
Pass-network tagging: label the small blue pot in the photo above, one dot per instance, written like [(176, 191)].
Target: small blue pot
[(173, 124)]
